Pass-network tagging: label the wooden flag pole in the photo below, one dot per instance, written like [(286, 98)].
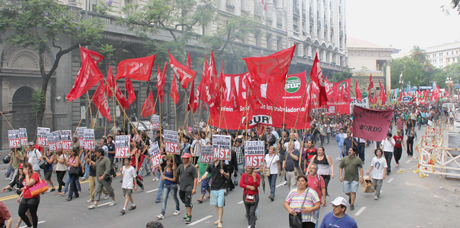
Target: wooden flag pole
[(146, 97), (199, 112), (7, 121), (81, 119), (90, 113), (220, 108), (114, 111)]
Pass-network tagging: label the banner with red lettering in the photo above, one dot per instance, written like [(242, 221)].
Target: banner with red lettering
[(42, 136), (155, 155), (221, 147), (339, 101), (66, 139), (254, 152), (100, 101), (13, 138), (206, 154), (23, 136), (291, 94), (138, 69), (371, 124), (122, 146), (88, 139), (57, 140), (171, 142)]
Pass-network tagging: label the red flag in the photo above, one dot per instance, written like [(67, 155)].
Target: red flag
[(185, 75), (94, 55), (272, 68), (393, 95), (384, 96), (191, 99), (222, 88), (329, 89), (161, 78), (130, 90), (206, 95), (359, 96), (149, 106), (87, 77), (189, 63), (316, 76), (371, 84), (138, 69), (212, 76), (264, 4), (174, 92), (400, 96), (111, 83), (233, 95), (100, 101)]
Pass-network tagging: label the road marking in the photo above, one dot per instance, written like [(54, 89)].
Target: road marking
[(241, 202), (37, 223), (360, 211), (201, 220), (8, 197), (100, 205), (154, 190), (390, 180)]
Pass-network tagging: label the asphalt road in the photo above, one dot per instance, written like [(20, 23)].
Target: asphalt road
[(406, 201)]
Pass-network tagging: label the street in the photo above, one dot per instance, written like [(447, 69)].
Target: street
[(406, 201)]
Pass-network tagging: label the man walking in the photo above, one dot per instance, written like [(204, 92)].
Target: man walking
[(339, 138), (188, 180), (337, 217), (289, 165), (103, 178), (219, 175), (33, 157), (353, 170), (347, 144), (388, 145)]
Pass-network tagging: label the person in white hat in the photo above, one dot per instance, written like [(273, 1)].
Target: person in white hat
[(337, 218)]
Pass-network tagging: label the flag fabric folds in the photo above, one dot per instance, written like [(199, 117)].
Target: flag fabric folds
[(130, 90), (174, 92), (185, 75), (112, 85), (359, 96), (161, 78), (149, 106), (100, 101), (138, 69), (317, 77)]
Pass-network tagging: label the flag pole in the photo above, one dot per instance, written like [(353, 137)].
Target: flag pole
[(7, 120), (90, 113), (146, 97), (273, 108), (83, 115)]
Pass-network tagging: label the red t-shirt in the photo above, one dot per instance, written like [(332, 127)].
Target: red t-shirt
[(310, 153), (398, 141), (250, 182), (4, 214), (133, 160), (27, 194), (314, 184)]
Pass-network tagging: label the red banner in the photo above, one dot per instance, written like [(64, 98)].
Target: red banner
[(100, 100), (111, 83), (292, 94), (138, 69), (161, 78), (339, 101), (371, 124), (149, 106), (185, 75), (87, 77), (130, 90), (174, 92)]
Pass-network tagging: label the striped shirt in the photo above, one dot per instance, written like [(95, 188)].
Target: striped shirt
[(295, 202)]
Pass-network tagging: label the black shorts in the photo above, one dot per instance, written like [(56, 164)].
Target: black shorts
[(186, 198), (48, 174)]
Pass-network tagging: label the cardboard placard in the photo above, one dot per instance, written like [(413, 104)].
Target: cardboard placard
[(81, 135), (221, 147), (23, 136), (51, 142), (155, 155), (122, 146), (13, 139), (254, 152), (155, 122), (42, 136), (206, 154), (88, 136), (171, 142), (66, 139), (57, 139)]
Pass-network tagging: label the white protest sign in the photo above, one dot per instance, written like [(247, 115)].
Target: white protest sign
[(81, 135), (155, 155), (13, 139), (254, 154), (23, 136), (57, 140), (122, 146), (155, 122), (66, 139), (206, 154), (42, 136), (51, 142), (221, 146), (171, 142), (88, 136)]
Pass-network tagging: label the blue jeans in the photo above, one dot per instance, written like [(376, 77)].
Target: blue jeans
[(340, 151), (272, 181), (173, 189), (86, 172), (160, 187), (9, 172), (73, 186), (67, 182)]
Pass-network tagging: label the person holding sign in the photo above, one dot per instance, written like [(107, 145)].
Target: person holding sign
[(103, 167), (48, 172), (33, 157), (219, 175), (17, 158), (271, 169), (290, 164), (250, 182), (188, 180)]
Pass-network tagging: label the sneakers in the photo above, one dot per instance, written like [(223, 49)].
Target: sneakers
[(52, 190), (176, 213), (92, 206), (142, 189), (188, 220), (376, 197), (352, 207), (160, 217), (185, 217), (122, 211), (132, 208), (106, 197), (113, 203), (89, 201)]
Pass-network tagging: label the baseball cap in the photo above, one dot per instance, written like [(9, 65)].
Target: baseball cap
[(21, 165), (339, 201), (31, 143), (185, 155)]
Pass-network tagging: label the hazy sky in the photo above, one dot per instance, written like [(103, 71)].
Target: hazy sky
[(402, 23)]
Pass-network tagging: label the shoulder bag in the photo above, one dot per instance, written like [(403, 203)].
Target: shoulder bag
[(39, 187), (267, 170), (75, 171), (43, 164), (295, 221)]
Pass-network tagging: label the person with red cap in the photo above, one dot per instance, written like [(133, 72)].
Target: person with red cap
[(188, 180)]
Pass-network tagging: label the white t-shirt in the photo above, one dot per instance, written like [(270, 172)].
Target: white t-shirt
[(379, 165), (387, 146), (34, 158), (296, 145), (128, 177), (272, 162)]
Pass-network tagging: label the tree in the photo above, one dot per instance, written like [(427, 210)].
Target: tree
[(455, 4), (411, 70), (342, 75), (418, 54), (38, 25)]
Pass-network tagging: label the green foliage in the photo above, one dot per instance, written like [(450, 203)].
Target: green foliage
[(362, 72), (38, 100), (107, 51), (418, 54), (340, 76)]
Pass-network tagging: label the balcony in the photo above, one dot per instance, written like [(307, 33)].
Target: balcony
[(230, 8)]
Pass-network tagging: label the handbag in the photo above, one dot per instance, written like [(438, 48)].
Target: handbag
[(43, 164), (295, 221), (249, 198), (267, 170), (75, 171), (38, 188)]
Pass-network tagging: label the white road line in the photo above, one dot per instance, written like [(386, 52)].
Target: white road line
[(360, 211), (241, 202), (154, 190), (100, 205), (201, 220), (38, 223), (390, 180)]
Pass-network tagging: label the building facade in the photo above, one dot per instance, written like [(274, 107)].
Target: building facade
[(316, 26), (443, 55)]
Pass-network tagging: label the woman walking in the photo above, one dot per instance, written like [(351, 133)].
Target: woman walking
[(170, 185), (399, 145), (410, 142), (17, 181), (61, 169), (73, 161), (305, 201), (49, 170), (378, 168), (26, 200), (250, 183), (325, 166), (271, 170)]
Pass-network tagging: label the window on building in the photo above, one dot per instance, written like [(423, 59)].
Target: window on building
[(448, 60), (440, 54), (257, 36), (441, 61), (434, 55), (447, 53)]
